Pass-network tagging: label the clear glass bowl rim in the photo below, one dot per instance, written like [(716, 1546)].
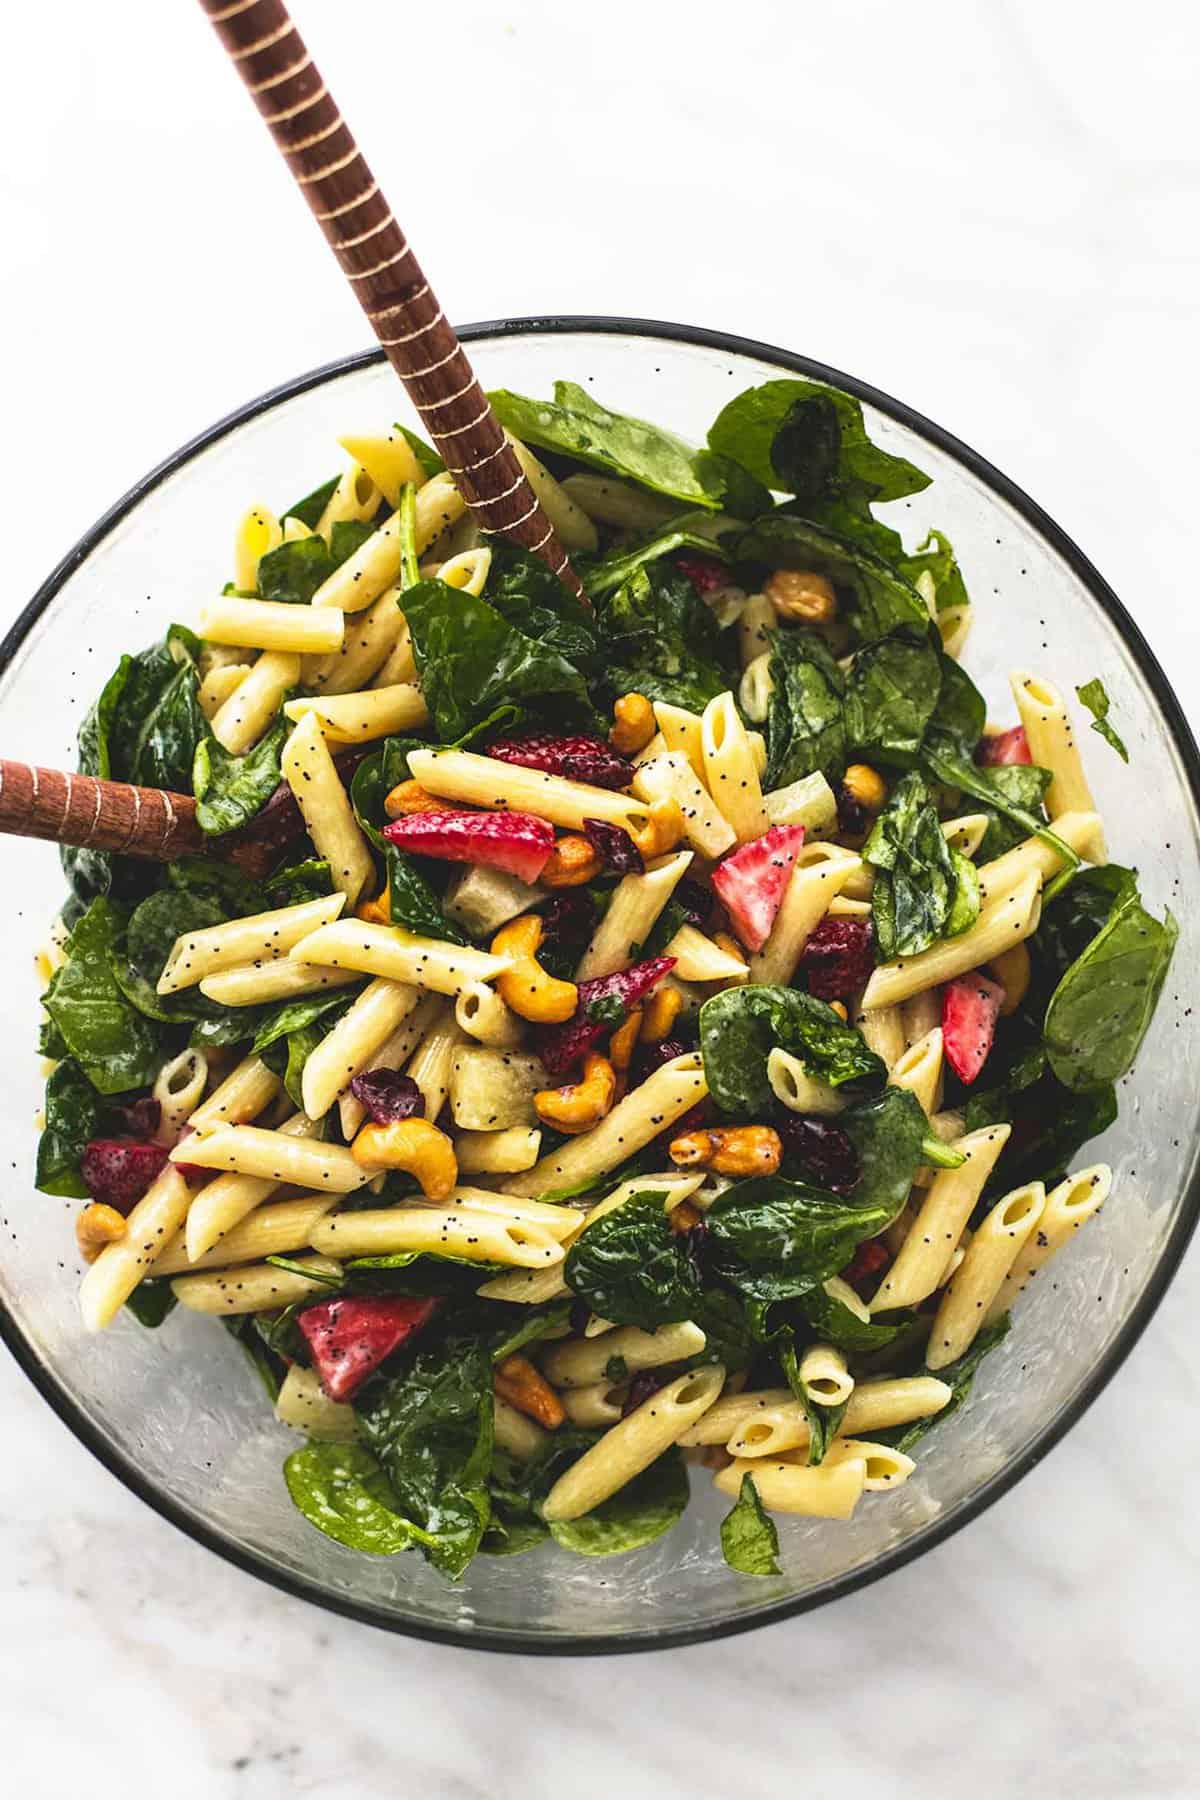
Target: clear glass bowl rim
[(490, 1638)]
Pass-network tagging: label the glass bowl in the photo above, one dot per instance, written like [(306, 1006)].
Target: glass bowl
[(178, 1415)]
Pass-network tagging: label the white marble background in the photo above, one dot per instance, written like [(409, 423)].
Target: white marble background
[(988, 208)]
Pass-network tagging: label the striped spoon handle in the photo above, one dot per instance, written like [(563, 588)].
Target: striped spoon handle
[(419, 341), (96, 815)]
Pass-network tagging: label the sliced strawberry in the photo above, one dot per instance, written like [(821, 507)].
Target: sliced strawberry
[(838, 958), (119, 1170), (578, 757), (969, 1009), (752, 882), (1005, 747), (705, 573), (517, 842), (604, 1003), (350, 1336)]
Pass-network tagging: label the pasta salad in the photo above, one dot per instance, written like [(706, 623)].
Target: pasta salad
[(600, 1040)]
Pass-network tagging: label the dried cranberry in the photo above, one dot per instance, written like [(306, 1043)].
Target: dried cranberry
[(567, 924), (694, 1119), (644, 1383), (838, 958), (706, 574), (821, 1150), (604, 1003), (693, 902), (140, 1117), (577, 757), (653, 1056), (871, 1256), (388, 1096), (615, 846), (853, 817), (119, 1170)]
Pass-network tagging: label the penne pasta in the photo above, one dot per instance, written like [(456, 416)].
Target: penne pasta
[(255, 984), (504, 1152), (920, 1015), (243, 1094), (919, 1069), (1080, 831), (303, 1404), (698, 958), (218, 685), (433, 964), (944, 1211), (270, 625), (346, 1050), (481, 1013), (1050, 734), (580, 1362), (755, 626), (681, 731), (475, 1236), (244, 716), (311, 773), (671, 777), (463, 776), (220, 1206), (993, 1250), (275, 1156), (262, 937), (805, 904), (178, 1090), (1068, 1206), (392, 1054), (372, 713), (390, 461), (730, 769), (355, 499), (873, 1406), (632, 1445), (1001, 924), (376, 647), (258, 531), (120, 1266), (275, 1229), (886, 1468), (253, 1287), (375, 565), (568, 518), (824, 1376), (830, 1491), (631, 916), (592, 1406)]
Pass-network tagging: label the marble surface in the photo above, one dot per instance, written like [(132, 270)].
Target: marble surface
[(983, 209)]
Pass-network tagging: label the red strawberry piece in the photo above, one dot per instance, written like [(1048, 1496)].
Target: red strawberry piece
[(838, 958), (578, 757), (517, 842), (119, 1170), (871, 1257), (351, 1335), (1005, 747), (752, 882), (615, 846), (388, 1096), (705, 573), (604, 1003), (969, 1009)]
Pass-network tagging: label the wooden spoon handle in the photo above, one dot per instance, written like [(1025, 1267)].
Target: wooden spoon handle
[(97, 815), (376, 260)]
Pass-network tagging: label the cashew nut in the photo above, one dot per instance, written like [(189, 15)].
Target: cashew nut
[(623, 1042), (571, 862), (96, 1226), (633, 724), (528, 988), (730, 1150), (581, 1104), (377, 911), (662, 1010), (415, 1146), (526, 1388), (410, 797), (661, 830)]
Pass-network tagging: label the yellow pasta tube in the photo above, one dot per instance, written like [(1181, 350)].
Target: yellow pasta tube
[(371, 650), (433, 964), (874, 1405), (882, 1030), (121, 1265), (252, 984), (631, 915), (372, 713), (592, 1406), (919, 1069), (730, 769), (311, 773), (728, 1414), (641, 1115), (272, 1230), (355, 499), (671, 777), (261, 937), (809, 802), (392, 1054), (920, 1015), (270, 625), (218, 685), (461, 1232), (698, 958), (578, 1362), (346, 1050), (220, 1206), (824, 1375), (1050, 734), (805, 904), (620, 503), (755, 626), (275, 1156), (886, 1468), (567, 517), (390, 461), (681, 731), (1080, 831), (1001, 924), (795, 1088), (376, 564), (483, 1015), (966, 833), (258, 531), (516, 1432), (830, 1491), (253, 1287), (632, 1445), (1068, 1206), (178, 1089), (945, 1209), (243, 1094), (993, 1250), (243, 718), (432, 1062), (484, 781), (401, 664)]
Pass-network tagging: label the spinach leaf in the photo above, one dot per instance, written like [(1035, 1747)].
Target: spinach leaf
[(73, 1111), (531, 597), (824, 1422), (961, 711), (533, 1324), (310, 509), (659, 638), (232, 790), (472, 660), (882, 597), (343, 1491), (266, 1363), (806, 729), (891, 693), (430, 1425), (832, 1321), (287, 1016), (1102, 1007), (308, 880), (1094, 696), (1071, 920), (810, 440), (959, 1376), (157, 723), (412, 898), (888, 1133), (775, 1240), (935, 558), (293, 572), (237, 893), (428, 460), (153, 927), (610, 572), (630, 1266), (113, 1044), (518, 1489), (578, 426), (1021, 785), (740, 1027), (634, 1516), (915, 877), (749, 1540), (151, 1302), (947, 763)]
